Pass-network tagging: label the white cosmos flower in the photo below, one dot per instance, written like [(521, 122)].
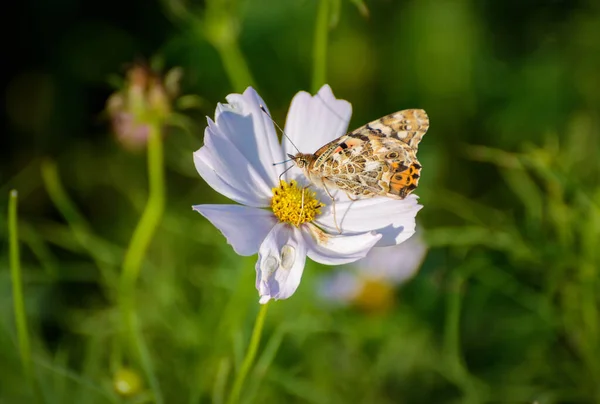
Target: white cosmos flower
[(240, 147), (389, 266)]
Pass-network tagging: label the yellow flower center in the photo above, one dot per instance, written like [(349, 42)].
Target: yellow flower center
[(375, 296), (295, 205)]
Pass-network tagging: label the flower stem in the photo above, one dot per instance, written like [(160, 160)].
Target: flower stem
[(17, 286), (320, 46), (154, 208), (137, 249), (250, 356), (235, 65)]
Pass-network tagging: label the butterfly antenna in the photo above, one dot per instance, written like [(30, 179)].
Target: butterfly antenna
[(285, 171), (279, 127), (282, 162)]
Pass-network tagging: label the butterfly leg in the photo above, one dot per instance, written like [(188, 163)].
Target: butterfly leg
[(351, 198), (333, 205)]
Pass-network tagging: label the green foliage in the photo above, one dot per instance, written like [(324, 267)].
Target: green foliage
[(505, 308)]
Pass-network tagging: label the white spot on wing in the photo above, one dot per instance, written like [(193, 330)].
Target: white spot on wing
[(372, 165)]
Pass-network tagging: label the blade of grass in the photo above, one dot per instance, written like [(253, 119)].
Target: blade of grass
[(40, 249), (452, 323), (306, 391), (17, 286), (218, 391), (84, 382), (17, 291), (590, 236), (76, 221), (62, 236), (510, 286), (146, 361)]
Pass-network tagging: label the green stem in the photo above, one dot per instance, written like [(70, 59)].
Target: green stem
[(154, 208), (17, 286), (235, 65), (250, 356), (137, 249), (219, 26), (320, 46)]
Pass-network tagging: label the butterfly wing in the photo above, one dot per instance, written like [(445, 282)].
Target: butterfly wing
[(376, 159), (395, 140), (409, 126), (403, 170)]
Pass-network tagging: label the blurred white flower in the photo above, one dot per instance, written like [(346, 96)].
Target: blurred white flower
[(370, 282), (283, 222)]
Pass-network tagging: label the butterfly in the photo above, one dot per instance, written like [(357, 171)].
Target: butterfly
[(377, 159)]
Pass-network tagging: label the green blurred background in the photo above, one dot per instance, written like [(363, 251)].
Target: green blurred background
[(505, 308)]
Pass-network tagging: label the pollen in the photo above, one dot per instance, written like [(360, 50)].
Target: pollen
[(295, 205)]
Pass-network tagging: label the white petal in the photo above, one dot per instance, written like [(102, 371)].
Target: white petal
[(244, 228), (218, 174), (394, 219), (394, 264), (337, 249), (313, 121), (280, 264), (251, 131), (340, 286), (238, 167)]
